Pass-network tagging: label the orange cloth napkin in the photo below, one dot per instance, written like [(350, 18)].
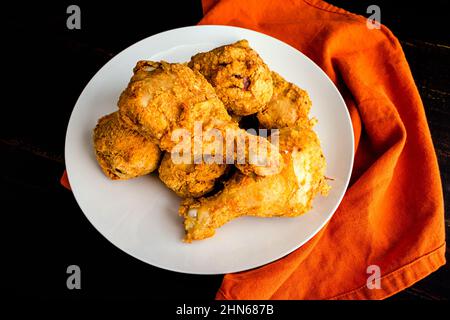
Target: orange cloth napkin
[(65, 180), (392, 214)]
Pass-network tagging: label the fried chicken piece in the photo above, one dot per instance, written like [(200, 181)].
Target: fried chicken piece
[(288, 107), (163, 100), (190, 179), (289, 193), (241, 78), (260, 156), (121, 152), (157, 95)]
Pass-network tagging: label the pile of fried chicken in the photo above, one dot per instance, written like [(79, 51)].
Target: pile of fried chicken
[(219, 89)]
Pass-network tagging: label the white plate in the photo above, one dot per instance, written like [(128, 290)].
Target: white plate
[(140, 216)]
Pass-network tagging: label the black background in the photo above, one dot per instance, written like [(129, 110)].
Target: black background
[(45, 68)]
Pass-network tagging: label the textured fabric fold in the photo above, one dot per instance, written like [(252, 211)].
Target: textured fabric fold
[(392, 214)]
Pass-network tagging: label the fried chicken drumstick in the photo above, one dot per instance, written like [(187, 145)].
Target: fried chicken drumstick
[(289, 193)]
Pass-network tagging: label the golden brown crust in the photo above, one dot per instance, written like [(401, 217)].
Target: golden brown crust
[(288, 107), (163, 97), (288, 194), (121, 152), (190, 180), (241, 79), (152, 101)]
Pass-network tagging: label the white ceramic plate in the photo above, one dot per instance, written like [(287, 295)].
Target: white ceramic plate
[(140, 217)]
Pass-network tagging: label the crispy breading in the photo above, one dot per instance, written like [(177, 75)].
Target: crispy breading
[(190, 180), (288, 107), (289, 193), (121, 152), (241, 78), (154, 99), (163, 97)]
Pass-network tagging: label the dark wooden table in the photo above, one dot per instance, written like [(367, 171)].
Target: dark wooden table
[(47, 67)]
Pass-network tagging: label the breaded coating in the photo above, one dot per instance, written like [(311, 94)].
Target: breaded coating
[(261, 157), (156, 96), (289, 193), (121, 152), (164, 99), (190, 180), (288, 107), (241, 78)]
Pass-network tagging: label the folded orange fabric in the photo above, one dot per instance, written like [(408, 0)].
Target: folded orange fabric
[(65, 180), (392, 215)]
